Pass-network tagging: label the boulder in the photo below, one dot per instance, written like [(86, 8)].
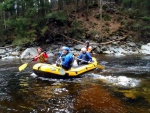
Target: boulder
[(2, 51), (108, 52), (98, 50), (145, 49), (78, 47), (131, 44), (15, 53), (10, 57), (29, 53)]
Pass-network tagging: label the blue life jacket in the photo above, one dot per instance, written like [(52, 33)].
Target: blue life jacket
[(85, 56), (67, 60)]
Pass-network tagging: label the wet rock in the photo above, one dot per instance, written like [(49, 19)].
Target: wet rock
[(108, 52), (131, 44), (2, 51), (50, 54), (15, 53), (29, 53), (78, 47), (98, 50), (55, 46), (145, 49), (104, 48), (10, 57)]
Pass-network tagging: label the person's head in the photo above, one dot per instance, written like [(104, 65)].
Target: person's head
[(87, 43), (39, 50), (63, 47), (65, 50), (83, 50)]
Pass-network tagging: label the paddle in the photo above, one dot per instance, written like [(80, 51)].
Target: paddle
[(23, 66), (99, 66)]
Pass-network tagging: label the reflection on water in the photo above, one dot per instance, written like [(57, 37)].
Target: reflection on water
[(122, 88)]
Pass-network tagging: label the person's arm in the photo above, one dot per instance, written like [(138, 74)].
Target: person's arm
[(35, 58), (89, 56), (80, 56)]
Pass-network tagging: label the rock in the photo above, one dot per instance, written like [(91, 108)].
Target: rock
[(108, 52), (131, 44), (15, 53), (55, 46), (94, 45), (78, 47), (2, 51), (50, 54), (29, 53), (115, 43), (71, 49), (145, 49), (10, 57), (148, 44), (98, 50)]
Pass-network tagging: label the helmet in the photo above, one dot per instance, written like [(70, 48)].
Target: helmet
[(66, 48), (63, 47), (87, 42), (83, 49)]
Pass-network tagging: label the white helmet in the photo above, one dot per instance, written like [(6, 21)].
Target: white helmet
[(83, 49)]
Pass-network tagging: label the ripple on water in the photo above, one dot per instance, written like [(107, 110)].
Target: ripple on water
[(120, 81)]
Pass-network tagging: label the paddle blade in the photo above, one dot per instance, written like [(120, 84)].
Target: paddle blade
[(23, 66), (62, 71), (101, 67)]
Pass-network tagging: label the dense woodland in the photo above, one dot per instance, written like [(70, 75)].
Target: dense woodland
[(30, 21)]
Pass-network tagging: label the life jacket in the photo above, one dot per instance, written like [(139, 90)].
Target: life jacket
[(89, 49), (42, 58), (69, 55), (84, 56)]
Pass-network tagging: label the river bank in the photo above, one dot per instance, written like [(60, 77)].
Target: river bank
[(116, 48)]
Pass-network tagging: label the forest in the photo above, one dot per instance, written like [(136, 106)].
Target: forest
[(46, 21)]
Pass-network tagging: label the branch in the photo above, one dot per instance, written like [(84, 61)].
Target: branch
[(104, 43), (67, 37)]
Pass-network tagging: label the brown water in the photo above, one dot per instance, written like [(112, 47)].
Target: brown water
[(124, 87)]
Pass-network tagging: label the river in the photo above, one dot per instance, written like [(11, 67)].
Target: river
[(124, 87)]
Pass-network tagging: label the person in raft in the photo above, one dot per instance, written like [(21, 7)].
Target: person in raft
[(42, 56), (88, 47), (66, 59), (84, 57)]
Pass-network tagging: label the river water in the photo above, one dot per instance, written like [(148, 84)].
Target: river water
[(124, 87)]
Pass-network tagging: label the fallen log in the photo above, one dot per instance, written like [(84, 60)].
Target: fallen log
[(103, 43)]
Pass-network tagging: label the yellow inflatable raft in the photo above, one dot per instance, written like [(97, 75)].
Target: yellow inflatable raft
[(53, 71)]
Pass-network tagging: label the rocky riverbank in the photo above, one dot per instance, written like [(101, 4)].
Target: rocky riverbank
[(115, 48)]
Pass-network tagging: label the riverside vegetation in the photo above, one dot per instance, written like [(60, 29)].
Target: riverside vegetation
[(37, 23)]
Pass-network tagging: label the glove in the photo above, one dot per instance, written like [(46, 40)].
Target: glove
[(89, 62), (57, 64)]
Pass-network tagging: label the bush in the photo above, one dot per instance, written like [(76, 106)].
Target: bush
[(107, 29), (106, 17), (58, 16), (94, 32), (146, 18)]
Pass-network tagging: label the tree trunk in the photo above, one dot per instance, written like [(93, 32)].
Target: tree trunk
[(60, 4), (87, 9)]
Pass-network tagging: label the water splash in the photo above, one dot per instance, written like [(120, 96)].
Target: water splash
[(120, 81)]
